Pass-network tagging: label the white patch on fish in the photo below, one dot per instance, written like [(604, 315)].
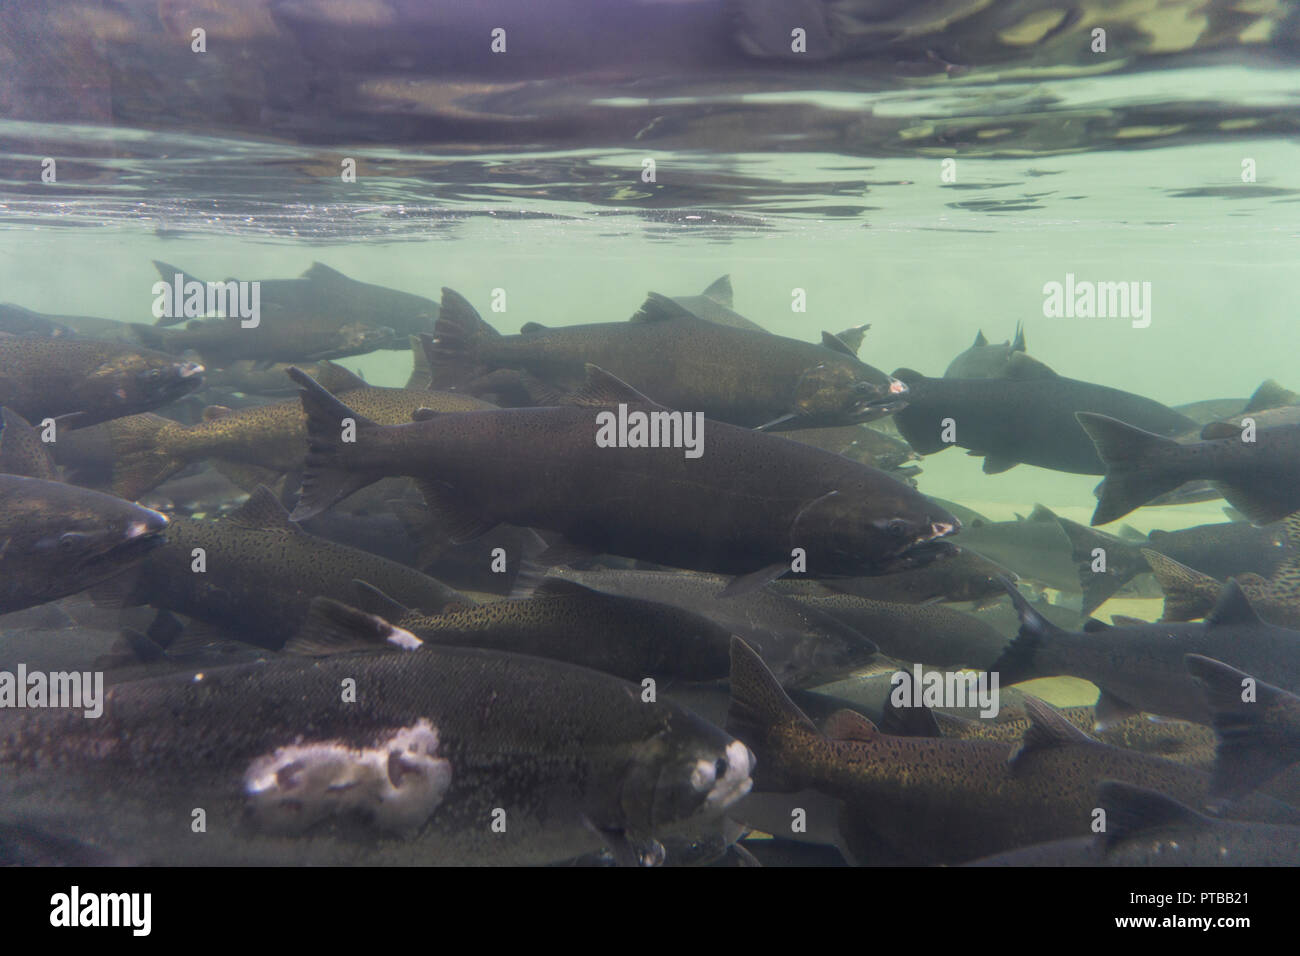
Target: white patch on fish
[(397, 783)]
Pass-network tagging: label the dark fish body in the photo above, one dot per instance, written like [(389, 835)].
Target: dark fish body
[(928, 634), (147, 449), (984, 359), (1231, 548), (626, 637), (859, 442), (21, 450), (1034, 547), (437, 746), (1260, 478), (60, 539), (738, 508), (322, 314), (261, 572), (1028, 421), (1140, 667), (804, 646), (1189, 594), (737, 376), (88, 381), (1146, 828), (15, 320), (960, 575), (714, 305), (928, 800)]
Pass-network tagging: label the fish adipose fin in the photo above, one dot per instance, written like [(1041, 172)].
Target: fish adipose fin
[(326, 477), (1139, 465), (1258, 737)]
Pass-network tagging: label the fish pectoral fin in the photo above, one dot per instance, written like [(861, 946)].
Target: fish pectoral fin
[(452, 513), (754, 581), (766, 426), (996, 464), (1112, 710), (332, 628), (1131, 810)]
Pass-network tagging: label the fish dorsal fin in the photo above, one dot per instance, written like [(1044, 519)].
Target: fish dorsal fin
[(1131, 534), (1018, 343), (1270, 395), (836, 344), (1216, 430), (321, 272), (660, 308), (532, 327), (214, 413), (719, 291), (1048, 728), (262, 510), (562, 587), (1041, 513), (1232, 608), (980, 340), (603, 389), (1093, 626), (335, 378), (1021, 367), (1131, 810), (421, 371), (169, 272), (374, 601), (849, 725), (1123, 620), (853, 337)]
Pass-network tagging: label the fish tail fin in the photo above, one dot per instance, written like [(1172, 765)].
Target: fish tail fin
[(1122, 562), (1189, 594), (1019, 661), (1258, 727), (332, 469), (141, 458), (759, 706), (458, 337), (1139, 465)]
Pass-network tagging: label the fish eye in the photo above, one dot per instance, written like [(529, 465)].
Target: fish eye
[(861, 386), (70, 540), (897, 527)]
